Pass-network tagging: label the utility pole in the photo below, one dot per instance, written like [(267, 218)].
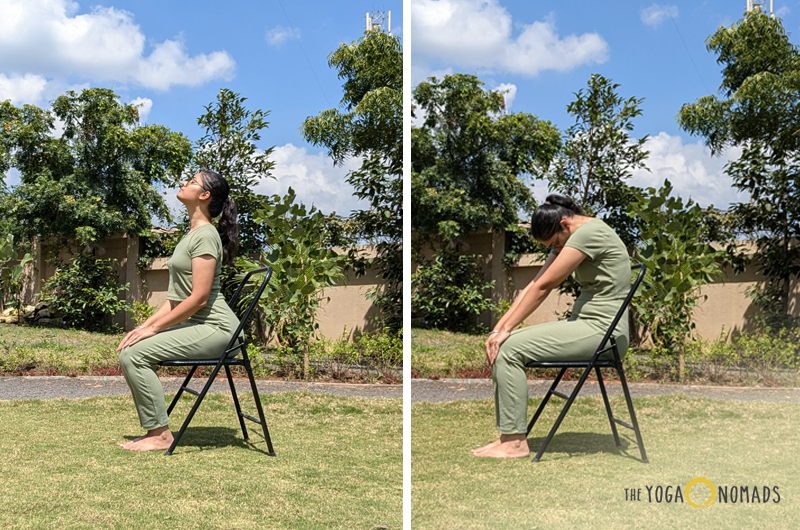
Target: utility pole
[(376, 20)]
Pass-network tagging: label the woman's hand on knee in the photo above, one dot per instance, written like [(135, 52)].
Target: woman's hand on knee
[(135, 336), (493, 344)]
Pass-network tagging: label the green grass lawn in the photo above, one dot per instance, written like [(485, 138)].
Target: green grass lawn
[(338, 465), (581, 480)]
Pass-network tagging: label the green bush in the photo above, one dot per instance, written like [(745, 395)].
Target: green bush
[(141, 312), (85, 293), (369, 356), (449, 291)]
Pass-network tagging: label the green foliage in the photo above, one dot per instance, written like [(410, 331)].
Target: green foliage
[(142, 311), (449, 291), (85, 292), (229, 148), (370, 126), (97, 178), (599, 155), (469, 158), (679, 261), (303, 265), (761, 81), (11, 277)]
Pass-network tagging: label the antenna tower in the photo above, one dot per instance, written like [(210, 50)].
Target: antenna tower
[(759, 6), (376, 19)]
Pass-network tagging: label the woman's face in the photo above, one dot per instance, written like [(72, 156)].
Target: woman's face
[(558, 240), (192, 190)]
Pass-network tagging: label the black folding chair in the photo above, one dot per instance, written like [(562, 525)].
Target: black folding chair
[(227, 360), (596, 363)]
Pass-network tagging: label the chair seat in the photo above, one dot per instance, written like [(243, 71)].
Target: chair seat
[(232, 361), (571, 364)]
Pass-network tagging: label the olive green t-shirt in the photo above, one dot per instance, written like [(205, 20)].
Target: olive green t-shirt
[(203, 240), (605, 274)]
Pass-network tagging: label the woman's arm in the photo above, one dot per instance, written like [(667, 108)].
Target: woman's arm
[(532, 297), (203, 268), (165, 308)]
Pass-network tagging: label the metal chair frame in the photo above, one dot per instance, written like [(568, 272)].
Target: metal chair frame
[(594, 363), (226, 360)]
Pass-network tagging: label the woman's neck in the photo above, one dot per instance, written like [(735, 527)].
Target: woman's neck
[(197, 217)]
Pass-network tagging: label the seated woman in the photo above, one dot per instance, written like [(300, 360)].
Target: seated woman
[(593, 251), (195, 322)]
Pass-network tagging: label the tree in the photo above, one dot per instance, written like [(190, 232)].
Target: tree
[(369, 126), (303, 266), (599, 155), (469, 157), (679, 261), (759, 112), (97, 178), (228, 147)]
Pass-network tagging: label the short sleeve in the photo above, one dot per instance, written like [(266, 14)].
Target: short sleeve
[(588, 238), (207, 244)]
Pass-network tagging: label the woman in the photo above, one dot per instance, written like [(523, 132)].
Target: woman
[(589, 248), (195, 321)]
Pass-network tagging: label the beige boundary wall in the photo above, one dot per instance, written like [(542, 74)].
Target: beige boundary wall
[(724, 309), (346, 309)]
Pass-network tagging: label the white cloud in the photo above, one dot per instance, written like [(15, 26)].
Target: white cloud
[(145, 105), (314, 178), (509, 92), (783, 11), (26, 88), (478, 34), (656, 14), (691, 169), (46, 38), (278, 35)]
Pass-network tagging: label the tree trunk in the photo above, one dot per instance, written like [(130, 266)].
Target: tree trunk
[(681, 365), (305, 364)]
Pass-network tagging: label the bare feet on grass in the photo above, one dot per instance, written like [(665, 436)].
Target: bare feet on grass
[(155, 440), (508, 446)]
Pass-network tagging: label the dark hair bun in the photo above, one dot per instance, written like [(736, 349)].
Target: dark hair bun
[(564, 202)]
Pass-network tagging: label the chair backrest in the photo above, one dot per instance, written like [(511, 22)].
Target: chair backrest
[(233, 345), (642, 270)]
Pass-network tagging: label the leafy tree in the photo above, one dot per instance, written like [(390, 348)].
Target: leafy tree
[(599, 155), (469, 157), (303, 266), (97, 178), (11, 277), (679, 261), (229, 148), (369, 125), (759, 111)]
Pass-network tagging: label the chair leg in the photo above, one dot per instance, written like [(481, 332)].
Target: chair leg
[(563, 414), (545, 399), (180, 390), (257, 399), (194, 409), (608, 406), (236, 402), (632, 413)]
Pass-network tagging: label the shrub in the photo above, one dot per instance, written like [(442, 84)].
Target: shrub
[(85, 293), (449, 291), (141, 312)]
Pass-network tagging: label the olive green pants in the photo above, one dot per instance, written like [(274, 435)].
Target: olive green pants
[(139, 361), (554, 341)]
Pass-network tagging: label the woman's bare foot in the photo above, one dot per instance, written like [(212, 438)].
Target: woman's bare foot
[(508, 446), (155, 440), (480, 450)]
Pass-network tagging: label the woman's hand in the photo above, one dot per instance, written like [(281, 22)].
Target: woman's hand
[(493, 345), (135, 336)]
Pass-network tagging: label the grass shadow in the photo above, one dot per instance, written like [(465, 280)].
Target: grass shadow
[(203, 438), (576, 444)]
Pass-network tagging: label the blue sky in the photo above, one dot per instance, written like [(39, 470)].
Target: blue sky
[(174, 57), (544, 52)]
